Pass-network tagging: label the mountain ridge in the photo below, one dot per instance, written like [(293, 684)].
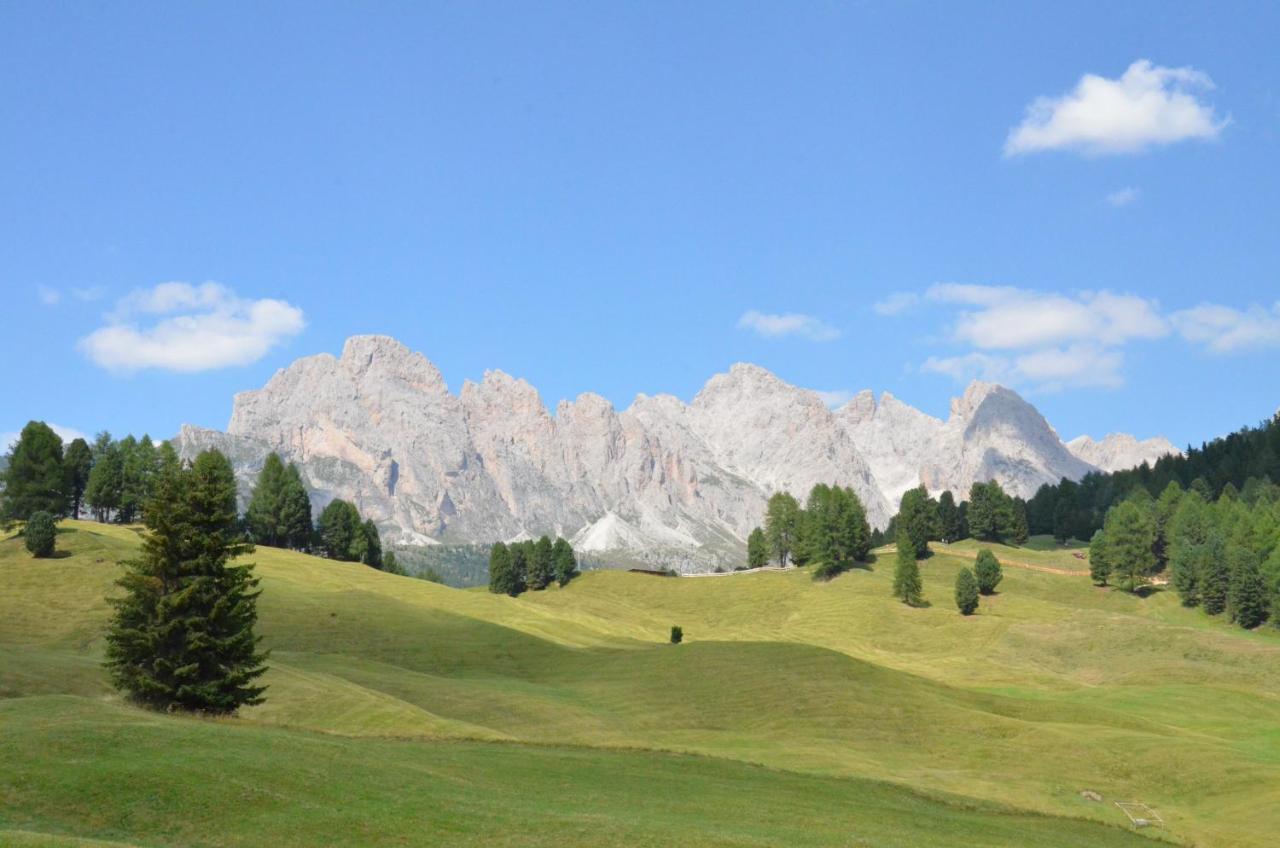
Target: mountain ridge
[(664, 481)]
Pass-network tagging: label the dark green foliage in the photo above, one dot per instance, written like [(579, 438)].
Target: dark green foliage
[(677, 634), (782, 526), (40, 534), (500, 575), (1188, 533), (966, 592), (1164, 510), (370, 548), (1099, 564), (987, 571), (294, 521), (917, 520), (835, 527), (566, 564), (907, 586), (264, 513), (1130, 540), (182, 636), (517, 580), (757, 549), (950, 520), (77, 462), (341, 532), (106, 480), (994, 516), (1215, 575), (542, 567), (35, 479), (1248, 600), (391, 565)]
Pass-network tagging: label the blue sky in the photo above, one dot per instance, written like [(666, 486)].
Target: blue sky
[(628, 198)]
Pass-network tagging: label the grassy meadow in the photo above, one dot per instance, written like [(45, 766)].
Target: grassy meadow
[(795, 713)]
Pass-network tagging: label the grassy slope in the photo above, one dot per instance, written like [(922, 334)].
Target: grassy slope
[(1054, 687)]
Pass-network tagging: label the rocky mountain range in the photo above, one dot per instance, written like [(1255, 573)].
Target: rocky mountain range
[(662, 481)]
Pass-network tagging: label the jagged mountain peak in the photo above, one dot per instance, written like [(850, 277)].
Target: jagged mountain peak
[(1117, 451)]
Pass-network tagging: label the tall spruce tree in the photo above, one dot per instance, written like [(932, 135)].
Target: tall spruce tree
[(757, 549), (183, 634), (264, 514), (541, 566), (105, 488), (907, 586), (966, 592), (1215, 575), (1248, 600), (35, 479), (518, 579), (295, 511), (371, 551), (500, 582), (950, 527), (566, 564), (782, 519), (77, 462), (341, 532)]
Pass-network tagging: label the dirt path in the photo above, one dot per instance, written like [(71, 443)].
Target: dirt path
[(1030, 566)]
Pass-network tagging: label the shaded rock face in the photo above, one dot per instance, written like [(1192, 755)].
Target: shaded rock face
[(662, 481), (1118, 451)]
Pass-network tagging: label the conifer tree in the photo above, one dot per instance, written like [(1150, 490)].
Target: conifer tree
[(104, 490), (541, 565), (916, 519), (500, 582), (517, 581), (40, 535), (295, 511), (264, 514), (907, 586), (1248, 598), (183, 634), (1099, 565), (782, 518), (371, 551), (1215, 575), (77, 461), (987, 571), (949, 525), (341, 531), (757, 549), (966, 592), (35, 479), (1130, 537), (566, 564), (853, 532)]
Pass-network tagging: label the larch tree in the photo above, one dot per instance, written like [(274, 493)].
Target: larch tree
[(907, 585), (782, 519)]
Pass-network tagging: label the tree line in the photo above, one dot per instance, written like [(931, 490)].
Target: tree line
[(1221, 554), (529, 565), (830, 529), (1070, 509)]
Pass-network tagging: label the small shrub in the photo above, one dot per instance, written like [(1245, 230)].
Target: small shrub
[(40, 534), (677, 634), (988, 571)]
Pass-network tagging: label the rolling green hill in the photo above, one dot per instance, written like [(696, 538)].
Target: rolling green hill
[(796, 713)]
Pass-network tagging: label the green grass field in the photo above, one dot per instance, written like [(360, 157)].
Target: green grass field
[(402, 712)]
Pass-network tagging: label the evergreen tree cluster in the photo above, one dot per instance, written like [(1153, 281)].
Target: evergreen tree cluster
[(343, 535), (279, 511), (1078, 509), (41, 476), (123, 474), (830, 530), (990, 514), (526, 565), (1221, 554)]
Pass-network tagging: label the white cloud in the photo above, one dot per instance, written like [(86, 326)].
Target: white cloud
[(835, 398), (1011, 318), (896, 303), (1148, 105), (48, 296), (1223, 329), (195, 328), (1122, 196), (791, 324), (1046, 370)]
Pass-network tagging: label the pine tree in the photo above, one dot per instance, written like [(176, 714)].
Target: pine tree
[(542, 567), (1099, 564), (949, 524), (35, 479), (341, 531), (295, 511), (1215, 575), (517, 580), (1188, 535), (1130, 537), (566, 564), (264, 514), (853, 531), (1248, 596), (907, 586), (757, 549), (40, 535), (77, 462), (987, 571), (966, 592), (916, 519), (105, 488), (500, 582), (371, 551), (782, 518), (1166, 508), (182, 636)]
